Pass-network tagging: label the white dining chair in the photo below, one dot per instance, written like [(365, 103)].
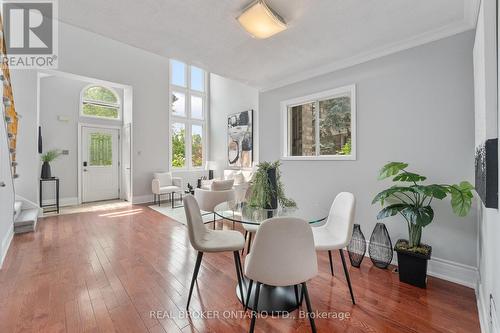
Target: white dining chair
[(203, 240), (336, 233), (283, 254)]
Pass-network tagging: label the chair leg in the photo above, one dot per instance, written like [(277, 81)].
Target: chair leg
[(296, 289), (255, 306), (249, 291), (243, 249), (309, 308), (172, 197), (238, 272), (214, 220), (249, 242), (241, 269), (331, 262), (195, 275), (347, 275), (159, 200)]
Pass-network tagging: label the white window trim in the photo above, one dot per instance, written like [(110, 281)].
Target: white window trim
[(84, 100), (341, 91), (187, 120)]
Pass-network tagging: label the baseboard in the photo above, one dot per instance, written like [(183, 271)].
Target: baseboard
[(482, 310), (140, 199), (453, 271), (448, 270), (489, 324), (6, 244), (63, 202)]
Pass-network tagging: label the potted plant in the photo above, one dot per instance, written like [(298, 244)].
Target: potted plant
[(267, 188), (412, 200), (46, 159)]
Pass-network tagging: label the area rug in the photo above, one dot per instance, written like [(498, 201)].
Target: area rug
[(179, 215)]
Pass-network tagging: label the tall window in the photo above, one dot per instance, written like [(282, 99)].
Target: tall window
[(100, 102), (320, 126), (188, 115)]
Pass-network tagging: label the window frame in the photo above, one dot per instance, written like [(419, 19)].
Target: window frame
[(316, 98), (187, 119), (100, 103)]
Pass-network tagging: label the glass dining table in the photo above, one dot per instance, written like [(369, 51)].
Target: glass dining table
[(271, 299)]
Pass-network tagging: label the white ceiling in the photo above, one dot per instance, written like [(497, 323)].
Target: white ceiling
[(323, 35)]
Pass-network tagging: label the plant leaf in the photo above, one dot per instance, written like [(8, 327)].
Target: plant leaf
[(391, 210), (390, 192), (391, 169), (461, 198), (433, 190), (409, 177), (420, 216)]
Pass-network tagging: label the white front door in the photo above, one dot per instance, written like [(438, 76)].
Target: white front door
[(100, 167)]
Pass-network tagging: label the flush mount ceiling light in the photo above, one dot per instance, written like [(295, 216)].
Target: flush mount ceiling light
[(260, 20)]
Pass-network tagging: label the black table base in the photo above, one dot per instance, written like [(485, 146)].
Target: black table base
[(272, 300)]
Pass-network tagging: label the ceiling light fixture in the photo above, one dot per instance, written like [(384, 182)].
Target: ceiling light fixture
[(260, 20)]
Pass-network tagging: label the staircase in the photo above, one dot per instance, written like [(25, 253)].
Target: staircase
[(25, 215)]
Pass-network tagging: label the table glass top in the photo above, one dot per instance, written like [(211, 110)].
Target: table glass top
[(243, 213)]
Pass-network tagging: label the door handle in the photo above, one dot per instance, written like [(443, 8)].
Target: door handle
[(2, 184)]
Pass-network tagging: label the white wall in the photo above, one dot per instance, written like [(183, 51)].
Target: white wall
[(60, 96), (414, 106), (485, 75), (227, 97), (91, 55)]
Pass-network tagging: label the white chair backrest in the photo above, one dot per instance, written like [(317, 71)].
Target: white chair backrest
[(196, 228), (341, 217), (207, 200), (165, 178), (283, 253)]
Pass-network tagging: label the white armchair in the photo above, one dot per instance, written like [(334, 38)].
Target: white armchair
[(221, 191), (164, 183)]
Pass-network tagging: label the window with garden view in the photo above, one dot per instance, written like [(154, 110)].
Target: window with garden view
[(100, 102), (187, 115), (320, 126)]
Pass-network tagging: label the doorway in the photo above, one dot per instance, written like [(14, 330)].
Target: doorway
[(100, 163)]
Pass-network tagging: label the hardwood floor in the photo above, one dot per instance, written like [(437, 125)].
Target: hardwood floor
[(107, 271)]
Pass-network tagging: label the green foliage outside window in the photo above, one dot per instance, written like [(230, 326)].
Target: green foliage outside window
[(100, 102), (335, 126), (100, 94), (178, 147), (197, 150), (99, 111), (101, 152)]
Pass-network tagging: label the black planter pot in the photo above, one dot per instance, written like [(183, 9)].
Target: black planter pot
[(271, 176), (412, 266), (46, 173)]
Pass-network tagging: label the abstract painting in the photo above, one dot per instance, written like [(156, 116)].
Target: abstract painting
[(240, 139), (486, 163)]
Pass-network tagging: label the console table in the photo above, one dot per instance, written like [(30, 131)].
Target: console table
[(52, 207)]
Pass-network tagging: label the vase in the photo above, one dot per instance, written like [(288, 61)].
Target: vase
[(380, 248), (357, 246), (46, 171), (271, 177)]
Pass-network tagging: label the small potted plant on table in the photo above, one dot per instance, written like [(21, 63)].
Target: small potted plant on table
[(46, 159), (412, 200)]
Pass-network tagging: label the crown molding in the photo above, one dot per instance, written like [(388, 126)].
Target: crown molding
[(471, 8)]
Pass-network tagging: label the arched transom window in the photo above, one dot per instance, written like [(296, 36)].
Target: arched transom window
[(100, 102)]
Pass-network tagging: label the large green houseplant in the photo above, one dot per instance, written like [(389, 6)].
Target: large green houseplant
[(267, 188), (411, 199)]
